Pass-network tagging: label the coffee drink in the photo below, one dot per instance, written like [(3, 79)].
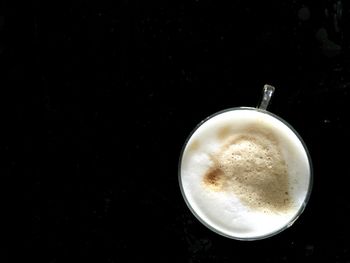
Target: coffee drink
[(245, 173)]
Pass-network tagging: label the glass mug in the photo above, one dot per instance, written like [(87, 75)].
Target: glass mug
[(245, 173)]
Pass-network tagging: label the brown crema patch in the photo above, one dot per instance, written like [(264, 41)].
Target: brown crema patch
[(251, 166), (214, 178)]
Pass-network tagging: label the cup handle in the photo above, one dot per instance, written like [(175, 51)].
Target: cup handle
[(268, 91)]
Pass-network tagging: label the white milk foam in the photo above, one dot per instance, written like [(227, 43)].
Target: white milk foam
[(223, 210)]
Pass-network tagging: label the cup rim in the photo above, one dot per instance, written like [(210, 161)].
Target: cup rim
[(297, 214)]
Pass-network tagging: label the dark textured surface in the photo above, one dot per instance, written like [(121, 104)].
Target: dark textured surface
[(98, 99)]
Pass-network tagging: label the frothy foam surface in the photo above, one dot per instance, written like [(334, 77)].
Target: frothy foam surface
[(245, 173)]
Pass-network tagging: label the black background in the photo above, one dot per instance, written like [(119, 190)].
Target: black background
[(97, 99)]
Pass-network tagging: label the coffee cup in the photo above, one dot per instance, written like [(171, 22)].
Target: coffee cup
[(245, 173)]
